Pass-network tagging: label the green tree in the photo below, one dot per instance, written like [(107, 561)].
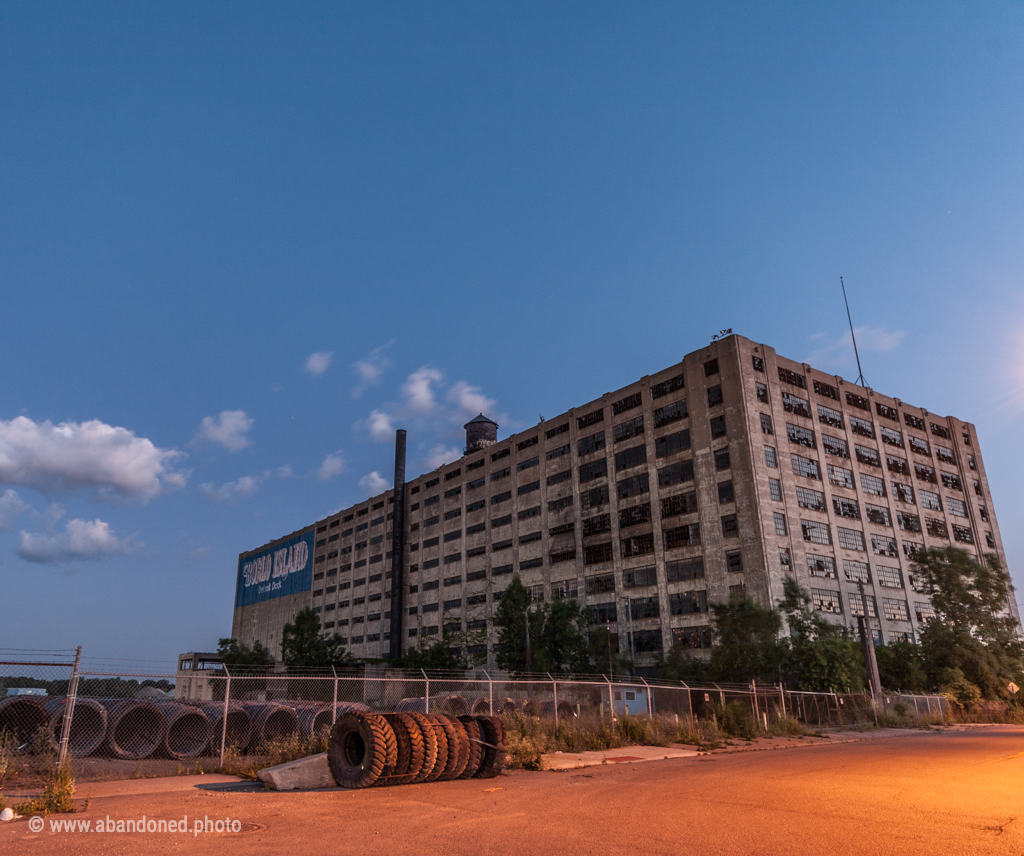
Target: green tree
[(304, 647), (564, 638), (901, 667), (604, 656), (440, 656), (680, 664), (510, 620), (972, 638), (822, 656), (748, 645), (247, 658)]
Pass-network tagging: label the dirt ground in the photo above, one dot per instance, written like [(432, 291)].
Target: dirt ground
[(941, 791)]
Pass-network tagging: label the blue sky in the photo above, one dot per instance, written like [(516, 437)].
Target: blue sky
[(239, 243)]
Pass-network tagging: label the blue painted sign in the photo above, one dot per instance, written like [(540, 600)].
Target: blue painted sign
[(276, 572)]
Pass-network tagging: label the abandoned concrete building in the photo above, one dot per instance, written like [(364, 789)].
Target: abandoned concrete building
[(716, 478)]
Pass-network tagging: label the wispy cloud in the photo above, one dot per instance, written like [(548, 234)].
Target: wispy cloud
[(333, 465), (242, 488), (380, 426), (374, 483), (93, 455), (370, 368), (837, 353), (229, 430), (318, 363), (419, 391), (440, 455), (11, 508), (81, 539)]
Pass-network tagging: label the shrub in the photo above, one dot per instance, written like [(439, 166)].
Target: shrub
[(56, 796)]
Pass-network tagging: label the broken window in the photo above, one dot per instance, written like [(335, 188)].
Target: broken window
[(889, 577), (821, 566), (890, 437), (971, 463), (730, 526), (917, 445), (826, 390), (835, 446), (806, 467), (594, 498), (591, 444), (924, 472), (529, 463), (792, 378), (908, 522), (597, 525), (557, 505), (684, 569), (687, 602), (846, 508), (762, 392), (775, 489), (940, 431), (629, 428), (682, 536), (936, 528), (903, 492), (952, 481), (634, 486), (711, 367), (923, 612), (825, 600), (770, 458), (780, 524), (726, 492), (670, 413), (675, 474), (895, 610), (990, 540), (627, 403), (558, 478), (910, 548), (828, 416), (945, 455), (800, 436), (956, 507), (879, 515), (600, 584), (812, 499), (681, 503), (914, 421), (640, 577), (672, 443), (983, 511), (963, 534), (840, 476), (659, 390), (886, 411), (882, 545), (897, 465), (597, 553), (784, 560), (859, 401), (635, 515), (868, 456), (722, 460), (766, 424), (931, 500), (796, 405), (862, 427), (857, 605), (734, 562), (551, 433), (717, 427), (594, 470), (816, 533), (856, 572), (589, 419), (758, 364), (637, 545)]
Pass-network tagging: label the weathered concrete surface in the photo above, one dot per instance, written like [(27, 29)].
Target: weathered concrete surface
[(306, 774), (625, 755), (928, 792)]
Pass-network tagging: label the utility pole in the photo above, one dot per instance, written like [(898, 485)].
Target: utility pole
[(529, 657), (868, 647)]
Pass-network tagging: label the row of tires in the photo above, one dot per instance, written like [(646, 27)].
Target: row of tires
[(367, 749)]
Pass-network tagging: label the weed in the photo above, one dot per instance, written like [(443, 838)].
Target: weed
[(7, 747), (56, 796)]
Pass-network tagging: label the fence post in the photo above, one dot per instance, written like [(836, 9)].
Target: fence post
[(689, 700), (650, 700), (757, 709), (334, 706), (782, 696), (554, 688), (490, 693), (224, 723), (69, 709), (839, 713), (611, 702), (426, 692)]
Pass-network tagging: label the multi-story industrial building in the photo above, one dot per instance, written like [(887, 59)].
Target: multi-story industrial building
[(718, 477)]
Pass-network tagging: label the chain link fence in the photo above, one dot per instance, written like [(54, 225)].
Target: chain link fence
[(113, 723)]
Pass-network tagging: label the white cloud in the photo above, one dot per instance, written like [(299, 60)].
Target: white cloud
[(232, 492), (333, 465), (110, 460), (81, 539), (838, 352), (470, 400), (11, 508), (440, 455), (371, 367), (228, 430), (374, 483), (380, 426), (419, 391), (318, 363)]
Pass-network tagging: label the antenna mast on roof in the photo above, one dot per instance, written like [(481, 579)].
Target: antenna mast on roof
[(860, 373)]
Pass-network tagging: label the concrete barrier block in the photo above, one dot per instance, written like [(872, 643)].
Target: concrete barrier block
[(306, 774)]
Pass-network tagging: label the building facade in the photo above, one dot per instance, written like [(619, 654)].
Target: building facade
[(718, 477)]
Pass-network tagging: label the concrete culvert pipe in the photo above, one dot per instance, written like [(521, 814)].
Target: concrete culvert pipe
[(187, 729), (411, 705), (530, 707), (565, 710), (507, 706), (479, 706), (239, 732), (88, 725), (22, 717), (271, 722), (453, 705), (315, 720), (135, 729)]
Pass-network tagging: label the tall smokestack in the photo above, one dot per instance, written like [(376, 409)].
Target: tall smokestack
[(398, 549)]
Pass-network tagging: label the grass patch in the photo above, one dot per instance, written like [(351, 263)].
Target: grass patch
[(277, 752), (56, 797)]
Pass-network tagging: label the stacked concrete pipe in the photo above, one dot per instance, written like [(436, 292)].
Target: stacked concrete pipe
[(22, 716), (187, 729), (240, 725), (88, 725), (271, 722), (135, 729)]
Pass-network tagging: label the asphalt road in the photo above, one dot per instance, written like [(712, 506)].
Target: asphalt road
[(948, 792)]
